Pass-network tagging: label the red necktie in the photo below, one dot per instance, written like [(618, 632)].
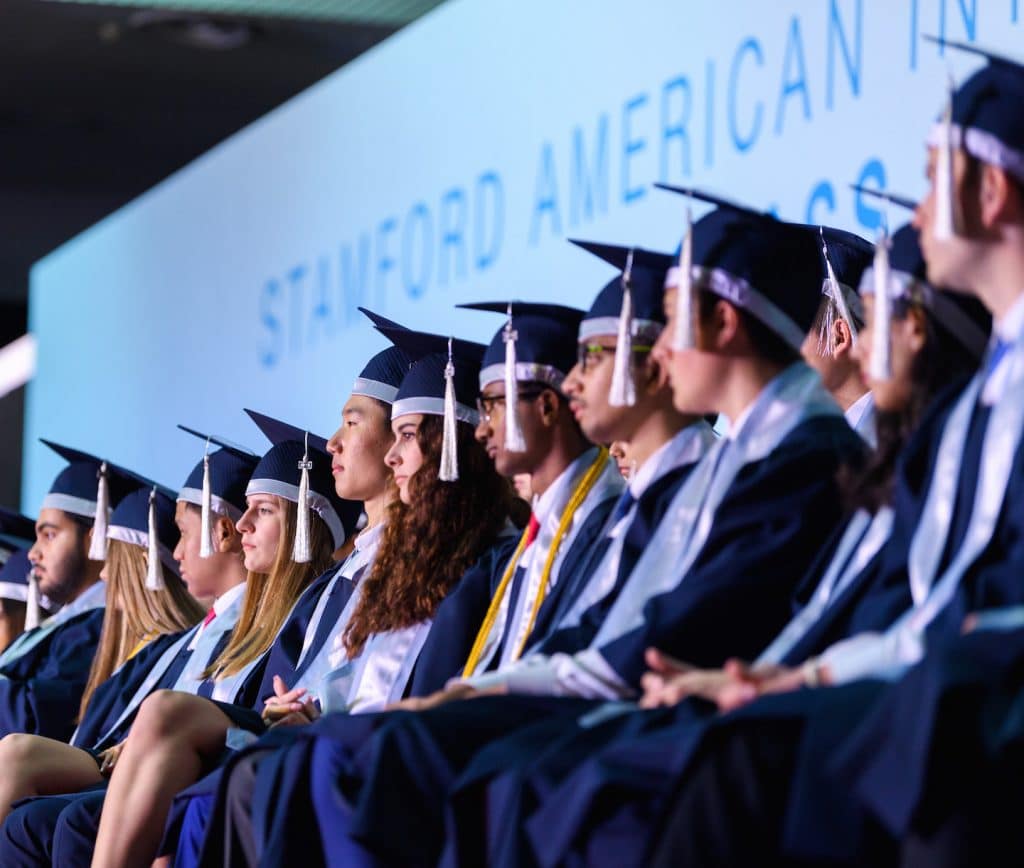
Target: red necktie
[(531, 530), (209, 616)]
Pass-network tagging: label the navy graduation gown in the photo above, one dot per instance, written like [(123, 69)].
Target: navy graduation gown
[(765, 534), (651, 508), (40, 690), (110, 698)]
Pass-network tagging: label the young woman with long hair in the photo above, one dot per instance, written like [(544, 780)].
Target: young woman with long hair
[(135, 615), (176, 735)]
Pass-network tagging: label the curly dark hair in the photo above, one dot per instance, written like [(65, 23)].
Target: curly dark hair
[(428, 545), (943, 360)]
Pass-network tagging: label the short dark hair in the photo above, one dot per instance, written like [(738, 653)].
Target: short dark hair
[(766, 343)]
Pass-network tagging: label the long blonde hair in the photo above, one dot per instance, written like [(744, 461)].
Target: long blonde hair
[(134, 613), (269, 597)]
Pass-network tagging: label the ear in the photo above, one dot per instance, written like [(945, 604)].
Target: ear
[(226, 538), (724, 325), (842, 338), (652, 376), (548, 404), (916, 329), (999, 199)]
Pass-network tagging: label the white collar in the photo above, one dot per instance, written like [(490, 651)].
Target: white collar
[(227, 598), (92, 597), (1010, 325), (369, 537), (684, 447), (544, 503), (768, 393), (859, 409)]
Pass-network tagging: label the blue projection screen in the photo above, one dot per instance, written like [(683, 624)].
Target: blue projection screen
[(449, 164)]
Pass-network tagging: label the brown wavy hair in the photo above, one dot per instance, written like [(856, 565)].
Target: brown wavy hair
[(269, 597), (134, 613), (428, 545)]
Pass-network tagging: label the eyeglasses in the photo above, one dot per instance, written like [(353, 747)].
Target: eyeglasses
[(485, 405), (591, 355)]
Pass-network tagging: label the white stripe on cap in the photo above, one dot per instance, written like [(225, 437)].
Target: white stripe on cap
[(433, 407), (140, 538), (217, 504), (526, 372), (69, 503), (983, 145), (374, 389), (317, 502)]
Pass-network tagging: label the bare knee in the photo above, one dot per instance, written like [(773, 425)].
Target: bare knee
[(163, 715), (16, 749)]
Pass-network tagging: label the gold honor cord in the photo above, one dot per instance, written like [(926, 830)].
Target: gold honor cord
[(584, 488)]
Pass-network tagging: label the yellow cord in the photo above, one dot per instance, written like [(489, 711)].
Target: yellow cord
[(584, 488)]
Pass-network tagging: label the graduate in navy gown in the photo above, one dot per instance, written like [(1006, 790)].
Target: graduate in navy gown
[(829, 347), (46, 668), (965, 540), (20, 608)]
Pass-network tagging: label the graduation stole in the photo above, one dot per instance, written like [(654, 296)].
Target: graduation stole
[(583, 488)]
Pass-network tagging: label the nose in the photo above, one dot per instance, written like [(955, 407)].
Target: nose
[(334, 444), (103, 572), (483, 430), (179, 550), (34, 555), (244, 524), (661, 351), (393, 459), (572, 384)]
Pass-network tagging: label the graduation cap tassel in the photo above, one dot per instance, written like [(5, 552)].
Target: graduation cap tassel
[(98, 544), (154, 570), (32, 615), (683, 339), (835, 290), (301, 553), (514, 440), (623, 390), (449, 470), (881, 363), (206, 515), (945, 226)]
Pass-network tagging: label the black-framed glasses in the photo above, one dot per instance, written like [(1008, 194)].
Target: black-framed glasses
[(590, 355), (485, 404)]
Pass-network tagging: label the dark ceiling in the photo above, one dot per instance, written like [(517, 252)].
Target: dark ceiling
[(100, 102)]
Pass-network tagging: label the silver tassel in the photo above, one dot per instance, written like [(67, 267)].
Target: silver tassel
[(881, 362), (514, 439), (683, 338), (206, 516), (945, 225), (154, 569), (32, 614), (301, 553), (839, 300), (449, 470), (623, 389), (98, 544)]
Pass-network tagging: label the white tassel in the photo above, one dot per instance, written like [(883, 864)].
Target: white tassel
[(945, 225), (838, 297), (881, 363), (32, 614), (206, 516), (301, 553), (514, 439), (684, 339), (98, 544), (623, 390), (449, 470), (154, 569)]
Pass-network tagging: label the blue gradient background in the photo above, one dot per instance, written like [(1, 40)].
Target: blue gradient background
[(448, 164)]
